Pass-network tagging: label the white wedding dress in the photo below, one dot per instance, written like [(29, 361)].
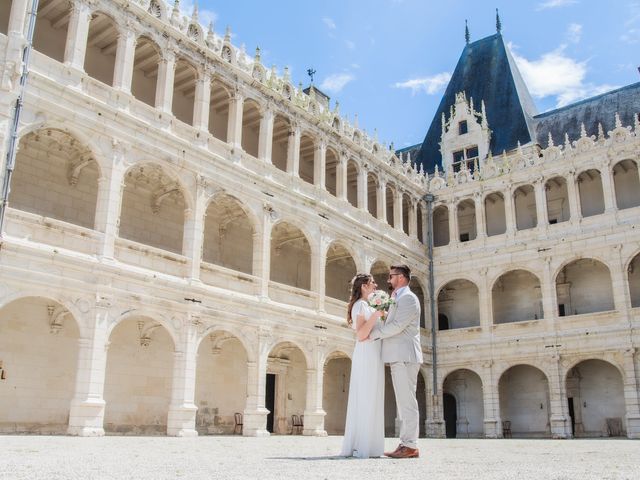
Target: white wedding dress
[(364, 427)]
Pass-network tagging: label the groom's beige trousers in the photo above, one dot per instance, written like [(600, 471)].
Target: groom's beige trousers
[(405, 379)]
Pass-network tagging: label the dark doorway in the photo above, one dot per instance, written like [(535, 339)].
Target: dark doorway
[(572, 414), (270, 399), (443, 322), (449, 409)]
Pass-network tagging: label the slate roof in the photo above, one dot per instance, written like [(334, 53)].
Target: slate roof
[(486, 71)]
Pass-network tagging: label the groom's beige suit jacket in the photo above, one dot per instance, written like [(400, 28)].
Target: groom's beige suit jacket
[(401, 330)]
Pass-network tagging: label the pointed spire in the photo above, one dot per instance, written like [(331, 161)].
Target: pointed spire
[(210, 32), (286, 76), (498, 22), (194, 15), (520, 148), (336, 109), (618, 121), (600, 133), (227, 34), (583, 131), (471, 105), (444, 124), (550, 141), (375, 134), (567, 142), (483, 111), (467, 37), (636, 123), (175, 14), (256, 58), (355, 121)]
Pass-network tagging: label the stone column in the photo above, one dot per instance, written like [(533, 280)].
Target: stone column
[(574, 198), (86, 415), (193, 233), (485, 296), (202, 102), (164, 83), (363, 197), (318, 270), (381, 198), (234, 125), (77, 33), (509, 212), (181, 421), (631, 389), (262, 251), (341, 177), (549, 296), (398, 220), (18, 16), (481, 220), (255, 413), (558, 414), (425, 223), (265, 140), (16, 39), (454, 235), (319, 165), (491, 402), (313, 412), (542, 215), (125, 57), (608, 189), (293, 150), (109, 202), (413, 219)]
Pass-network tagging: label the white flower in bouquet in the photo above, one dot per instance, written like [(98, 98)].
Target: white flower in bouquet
[(380, 300)]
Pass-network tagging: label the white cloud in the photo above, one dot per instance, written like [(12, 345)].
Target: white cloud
[(429, 85), (555, 4), (632, 25), (334, 83), (331, 25), (574, 32), (557, 75), (350, 45)]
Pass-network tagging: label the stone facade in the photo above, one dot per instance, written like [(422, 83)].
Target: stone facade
[(183, 224)]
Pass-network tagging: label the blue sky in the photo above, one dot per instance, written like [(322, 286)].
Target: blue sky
[(388, 60)]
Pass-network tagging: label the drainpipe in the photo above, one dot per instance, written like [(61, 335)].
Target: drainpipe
[(429, 198), (13, 133)]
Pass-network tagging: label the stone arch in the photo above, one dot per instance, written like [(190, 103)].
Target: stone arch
[(102, 45), (290, 255), (516, 296), (340, 268), (633, 279), (390, 195), (626, 183), (407, 207), (332, 158), (280, 141), (583, 285), (221, 380), (459, 300), (557, 199), (219, 104), (465, 384), (417, 287), (353, 170), (144, 313), (50, 36), (591, 192), (146, 60), (251, 118), (306, 166), (524, 204), (56, 175), (420, 224), (141, 353), (184, 90), (228, 233), (524, 400), (39, 339), (441, 226), (154, 202), (466, 214), (380, 272), (495, 215), (288, 361), (372, 194), (595, 391), (335, 391)]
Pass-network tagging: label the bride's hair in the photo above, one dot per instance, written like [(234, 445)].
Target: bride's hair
[(356, 290)]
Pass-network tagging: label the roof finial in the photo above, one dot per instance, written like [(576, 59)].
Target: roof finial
[(498, 22), (467, 37)]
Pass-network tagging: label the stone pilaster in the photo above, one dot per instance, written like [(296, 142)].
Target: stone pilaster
[(559, 420), (265, 140), (481, 221), (234, 126), (255, 413), (363, 197), (341, 177), (542, 215), (381, 197), (193, 235), (313, 412), (125, 56), (164, 84), (491, 402), (631, 400), (319, 164), (454, 235), (413, 219), (202, 102), (397, 211), (608, 190), (262, 250), (77, 34), (509, 212), (574, 198)]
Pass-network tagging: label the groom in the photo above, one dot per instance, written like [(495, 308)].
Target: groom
[(401, 348)]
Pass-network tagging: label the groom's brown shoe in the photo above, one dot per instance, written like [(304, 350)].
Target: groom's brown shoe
[(405, 452), (391, 454)]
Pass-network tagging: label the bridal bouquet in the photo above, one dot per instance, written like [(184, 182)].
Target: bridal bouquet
[(380, 300)]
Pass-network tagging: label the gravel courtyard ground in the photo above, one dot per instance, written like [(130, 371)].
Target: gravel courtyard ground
[(295, 457)]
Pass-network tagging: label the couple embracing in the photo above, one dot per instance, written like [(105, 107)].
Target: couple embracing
[(394, 340)]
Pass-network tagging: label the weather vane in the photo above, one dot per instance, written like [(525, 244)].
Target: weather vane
[(311, 72)]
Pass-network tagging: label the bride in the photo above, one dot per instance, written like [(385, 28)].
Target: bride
[(364, 428)]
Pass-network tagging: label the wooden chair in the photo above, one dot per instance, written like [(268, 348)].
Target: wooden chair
[(506, 429), (296, 423), (237, 417)]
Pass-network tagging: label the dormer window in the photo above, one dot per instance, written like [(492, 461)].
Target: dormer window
[(462, 127), (466, 156)]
